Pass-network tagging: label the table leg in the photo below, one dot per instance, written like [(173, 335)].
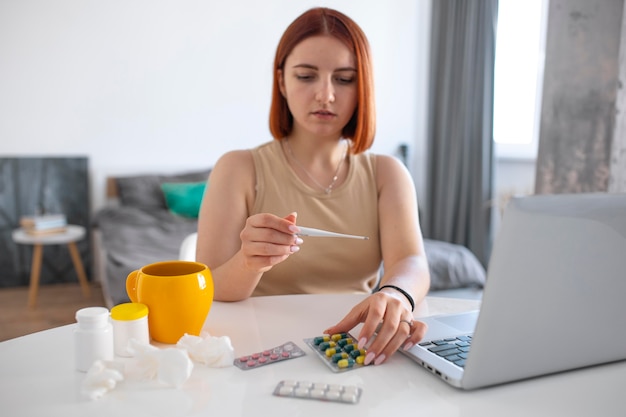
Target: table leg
[(35, 270), (80, 271)]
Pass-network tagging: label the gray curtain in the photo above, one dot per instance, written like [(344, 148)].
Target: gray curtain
[(460, 149)]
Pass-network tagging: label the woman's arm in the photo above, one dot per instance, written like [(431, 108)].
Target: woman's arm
[(404, 258), (238, 248), (405, 267)]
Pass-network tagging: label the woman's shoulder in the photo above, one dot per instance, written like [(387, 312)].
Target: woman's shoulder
[(242, 161), (234, 170), (379, 161), (239, 156), (387, 162), (272, 146), (243, 155), (388, 168)]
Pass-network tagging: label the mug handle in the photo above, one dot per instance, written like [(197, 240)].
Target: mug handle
[(131, 285)]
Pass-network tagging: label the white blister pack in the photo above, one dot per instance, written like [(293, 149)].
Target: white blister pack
[(320, 391)]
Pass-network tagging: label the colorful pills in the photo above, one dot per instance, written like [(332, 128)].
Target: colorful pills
[(339, 352)]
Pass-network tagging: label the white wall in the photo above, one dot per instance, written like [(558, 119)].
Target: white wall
[(144, 86)]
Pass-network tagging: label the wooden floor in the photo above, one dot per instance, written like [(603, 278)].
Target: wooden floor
[(56, 306)]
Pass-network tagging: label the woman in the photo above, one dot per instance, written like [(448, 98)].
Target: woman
[(317, 173)]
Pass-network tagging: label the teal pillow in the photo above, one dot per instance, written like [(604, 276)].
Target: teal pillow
[(184, 198)]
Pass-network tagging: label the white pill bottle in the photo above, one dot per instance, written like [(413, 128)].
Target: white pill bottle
[(93, 337)]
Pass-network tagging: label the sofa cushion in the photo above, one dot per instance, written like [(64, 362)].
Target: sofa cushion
[(184, 198), (453, 266), (133, 237), (144, 191)]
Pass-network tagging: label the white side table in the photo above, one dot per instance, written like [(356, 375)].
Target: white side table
[(70, 236)]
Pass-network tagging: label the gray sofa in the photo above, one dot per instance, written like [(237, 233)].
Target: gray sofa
[(136, 228)]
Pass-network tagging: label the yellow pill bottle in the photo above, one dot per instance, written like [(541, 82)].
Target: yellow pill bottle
[(130, 322)]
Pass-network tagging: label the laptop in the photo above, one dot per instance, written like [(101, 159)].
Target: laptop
[(554, 299)]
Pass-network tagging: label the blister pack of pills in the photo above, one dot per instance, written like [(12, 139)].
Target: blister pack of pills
[(280, 353), (319, 391), (340, 352)]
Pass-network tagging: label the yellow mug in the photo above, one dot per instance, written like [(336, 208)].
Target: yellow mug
[(178, 294)]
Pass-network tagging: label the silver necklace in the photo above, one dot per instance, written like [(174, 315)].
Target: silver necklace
[(330, 186)]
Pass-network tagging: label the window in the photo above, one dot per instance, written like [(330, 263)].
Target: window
[(518, 78)]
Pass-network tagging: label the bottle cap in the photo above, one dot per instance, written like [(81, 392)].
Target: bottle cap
[(92, 317), (129, 311)]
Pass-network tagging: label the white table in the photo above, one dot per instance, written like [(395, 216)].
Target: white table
[(37, 376), (69, 237)]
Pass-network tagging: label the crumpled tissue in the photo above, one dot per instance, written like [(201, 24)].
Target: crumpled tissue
[(216, 352), (171, 366), (101, 378)]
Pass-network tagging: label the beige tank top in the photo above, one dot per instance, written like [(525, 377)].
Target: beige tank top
[(323, 265)]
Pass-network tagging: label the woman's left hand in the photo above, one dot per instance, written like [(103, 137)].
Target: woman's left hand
[(394, 321)]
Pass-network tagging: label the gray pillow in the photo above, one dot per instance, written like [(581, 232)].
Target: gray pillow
[(453, 266), (144, 191)]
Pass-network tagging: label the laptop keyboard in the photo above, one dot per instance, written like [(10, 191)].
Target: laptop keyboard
[(453, 349)]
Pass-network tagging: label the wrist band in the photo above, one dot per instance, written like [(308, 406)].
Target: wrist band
[(406, 294)]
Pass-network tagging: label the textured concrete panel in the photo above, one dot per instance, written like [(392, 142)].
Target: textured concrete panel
[(580, 85)]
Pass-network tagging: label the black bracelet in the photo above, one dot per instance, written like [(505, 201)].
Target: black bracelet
[(406, 294)]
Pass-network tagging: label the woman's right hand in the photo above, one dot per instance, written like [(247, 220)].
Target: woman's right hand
[(267, 240)]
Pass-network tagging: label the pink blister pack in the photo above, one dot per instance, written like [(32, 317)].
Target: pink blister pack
[(286, 351)]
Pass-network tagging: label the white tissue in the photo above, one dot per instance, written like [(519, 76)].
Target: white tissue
[(216, 352), (101, 378), (171, 366), (174, 368)]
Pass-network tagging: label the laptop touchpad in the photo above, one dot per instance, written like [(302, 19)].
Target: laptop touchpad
[(464, 322)]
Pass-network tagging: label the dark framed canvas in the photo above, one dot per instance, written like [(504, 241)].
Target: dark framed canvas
[(38, 185)]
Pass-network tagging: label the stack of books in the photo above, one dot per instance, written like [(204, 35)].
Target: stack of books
[(44, 224)]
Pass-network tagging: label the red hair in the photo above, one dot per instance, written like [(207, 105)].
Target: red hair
[(323, 21)]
